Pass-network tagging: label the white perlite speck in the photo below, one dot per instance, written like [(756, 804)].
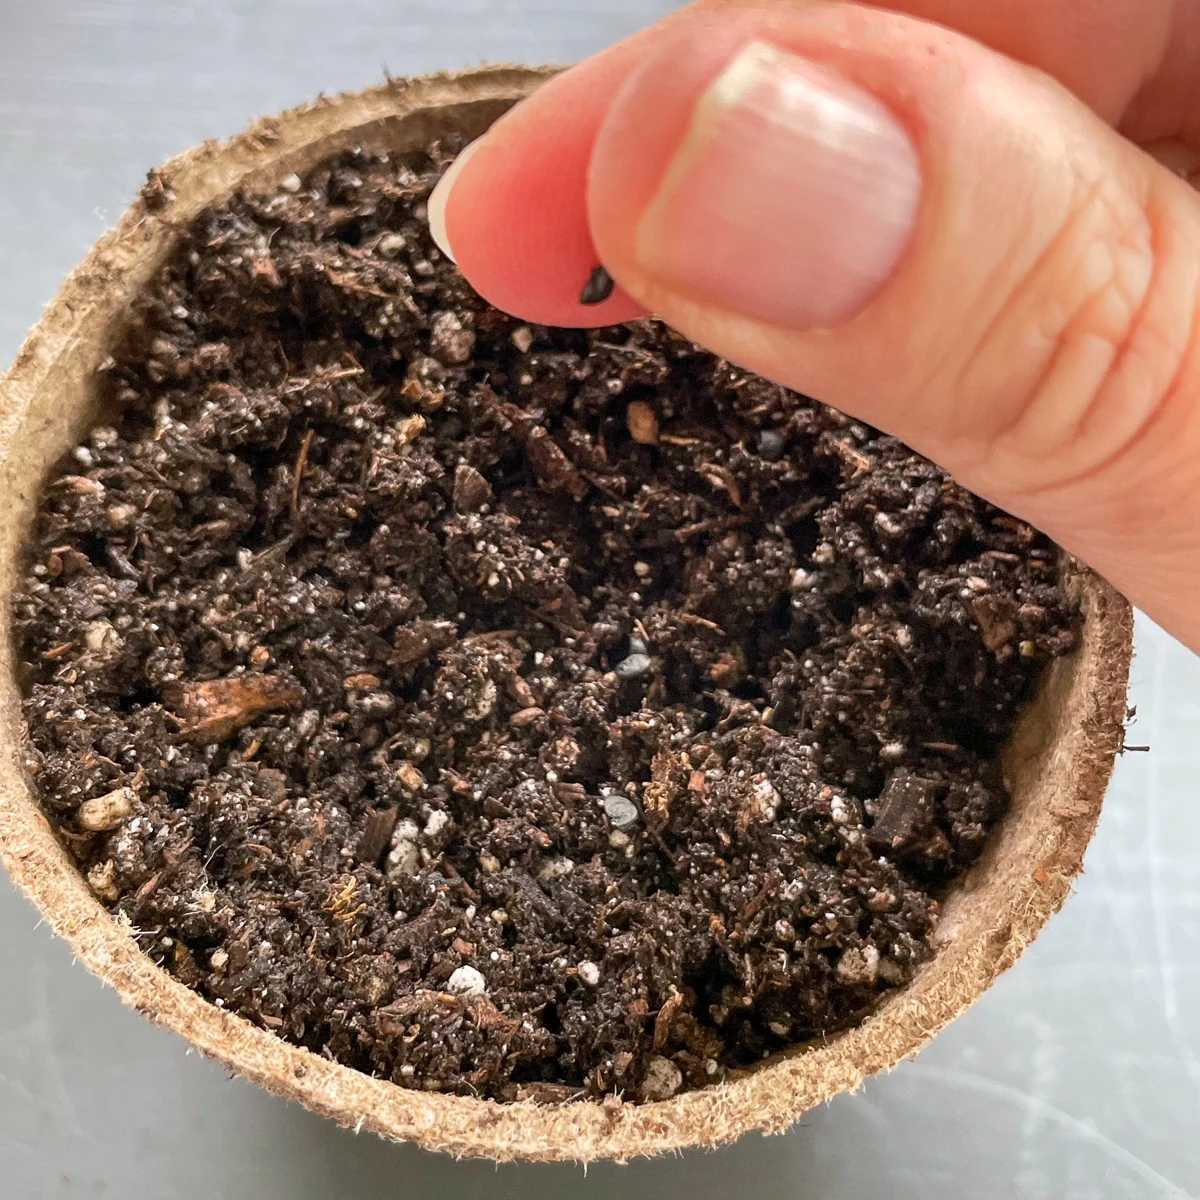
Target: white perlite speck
[(449, 340), (438, 820), (763, 804), (589, 973), (635, 666), (404, 858), (859, 966), (101, 638), (555, 868), (467, 981), (100, 879), (391, 244), (841, 812), (663, 1079)]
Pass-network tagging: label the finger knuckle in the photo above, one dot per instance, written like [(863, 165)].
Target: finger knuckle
[(1111, 312)]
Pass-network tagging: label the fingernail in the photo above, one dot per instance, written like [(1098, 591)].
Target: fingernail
[(791, 197), (440, 195)]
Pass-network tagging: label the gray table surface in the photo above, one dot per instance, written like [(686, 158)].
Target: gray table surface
[(1076, 1078)]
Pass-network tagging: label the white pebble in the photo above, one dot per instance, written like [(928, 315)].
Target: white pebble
[(859, 966), (555, 868), (438, 820), (102, 813), (635, 666), (622, 813), (765, 793), (840, 811), (100, 637), (404, 858), (663, 1079), (391, 244), (449, 340), (765, 802), (100, 880), (467, 981)]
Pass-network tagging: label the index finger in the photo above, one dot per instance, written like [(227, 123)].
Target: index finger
[(516, 218)]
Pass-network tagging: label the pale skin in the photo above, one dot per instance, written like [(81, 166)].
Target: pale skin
[(1031, 320)]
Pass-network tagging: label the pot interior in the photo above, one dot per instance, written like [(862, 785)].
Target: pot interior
[(1056, 765)]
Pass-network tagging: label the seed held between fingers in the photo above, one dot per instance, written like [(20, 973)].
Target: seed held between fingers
[(598, 288)]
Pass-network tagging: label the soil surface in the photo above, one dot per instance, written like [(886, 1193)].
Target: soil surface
[(503, 710)]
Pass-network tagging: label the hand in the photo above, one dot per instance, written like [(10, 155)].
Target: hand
[(981, 239)]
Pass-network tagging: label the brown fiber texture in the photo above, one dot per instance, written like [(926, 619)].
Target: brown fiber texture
[(1057, 766)]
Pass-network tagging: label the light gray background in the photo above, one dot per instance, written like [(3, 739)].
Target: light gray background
[(1076, 1078)]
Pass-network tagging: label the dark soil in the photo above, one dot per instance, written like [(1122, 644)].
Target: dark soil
[(505, 710)]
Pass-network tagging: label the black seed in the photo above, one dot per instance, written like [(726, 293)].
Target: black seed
[(598, 288), (770, 445)]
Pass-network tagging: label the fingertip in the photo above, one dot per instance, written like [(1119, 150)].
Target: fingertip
[(512, 216), (511, 210), (438, 198)]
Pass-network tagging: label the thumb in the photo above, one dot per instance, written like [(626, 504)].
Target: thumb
[(921, 232), (889, 216)]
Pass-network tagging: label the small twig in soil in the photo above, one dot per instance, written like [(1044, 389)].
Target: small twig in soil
[(692, 619), (298, 471), (712, 525)]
